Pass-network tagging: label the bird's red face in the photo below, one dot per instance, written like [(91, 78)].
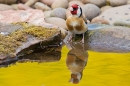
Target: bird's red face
[(74, 9), (75, 78)]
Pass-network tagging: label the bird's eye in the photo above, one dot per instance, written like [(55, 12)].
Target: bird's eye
[(75, 8)]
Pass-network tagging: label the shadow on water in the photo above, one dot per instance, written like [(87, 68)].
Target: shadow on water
[(76, 60), (50, 54), (47, 55)]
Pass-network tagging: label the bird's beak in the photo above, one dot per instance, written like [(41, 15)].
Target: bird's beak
[(70, 9)]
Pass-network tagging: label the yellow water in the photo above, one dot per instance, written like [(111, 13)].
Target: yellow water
[(103, 69)]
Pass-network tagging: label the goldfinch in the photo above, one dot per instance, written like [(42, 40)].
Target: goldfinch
[(76, 22)]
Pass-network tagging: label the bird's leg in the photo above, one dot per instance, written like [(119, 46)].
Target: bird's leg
[(70, 38), (82, 41)]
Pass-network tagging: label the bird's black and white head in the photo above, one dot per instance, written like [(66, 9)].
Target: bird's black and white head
[(76, 10)]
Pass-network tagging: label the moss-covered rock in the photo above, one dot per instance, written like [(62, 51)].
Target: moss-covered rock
[(27, 38)]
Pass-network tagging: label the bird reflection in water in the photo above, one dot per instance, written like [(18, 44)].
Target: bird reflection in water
[(76, 61)]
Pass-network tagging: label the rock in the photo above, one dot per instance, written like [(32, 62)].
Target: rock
[(99, 20), (5, 7), (35, 17), (99, 3), (23, 7), (68, 13), (58, 12), (110, 39), (105, 8), (75, 2), (15, 6), (30, 2), (105, 38), (122, 23), (108, 2), (59, 3), (9, 28), (32, 40), (116, 14), (47, 13), (8, 1), (41, 6), (128, 2), (118, 2), (91, 11), (23, 1), (20, 41), (58, 22), (47, 2)]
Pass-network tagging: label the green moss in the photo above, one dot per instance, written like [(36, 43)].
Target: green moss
[(40, 32), (90, 33), (9, 43)]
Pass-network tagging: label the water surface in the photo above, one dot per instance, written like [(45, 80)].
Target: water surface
[(103, 69)]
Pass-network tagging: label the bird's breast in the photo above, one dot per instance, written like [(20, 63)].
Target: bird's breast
[(76, 25)]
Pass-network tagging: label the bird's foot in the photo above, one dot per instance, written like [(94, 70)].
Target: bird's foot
[(70, 43), (82, 43)]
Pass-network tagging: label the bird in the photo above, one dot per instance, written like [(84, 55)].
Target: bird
[(76, 23)]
